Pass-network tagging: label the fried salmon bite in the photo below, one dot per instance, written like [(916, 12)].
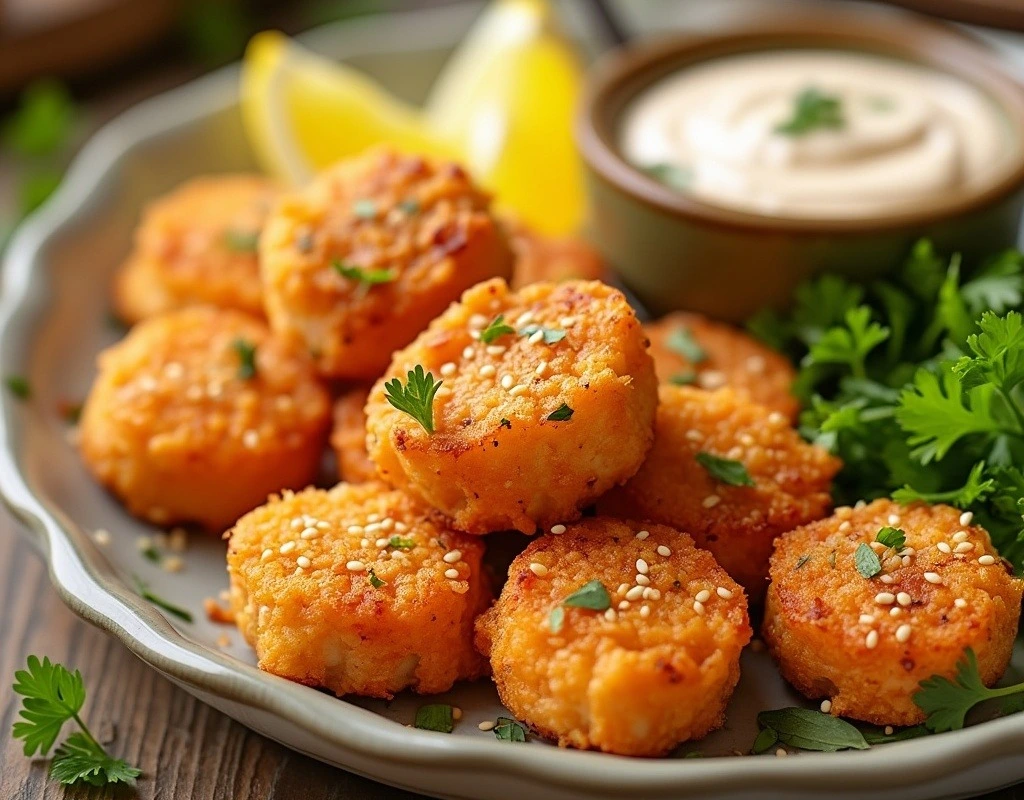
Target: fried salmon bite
[(865, 643), (691, 349), (616, 636), (197, 415), (547, 401), (731, 473), (357, 264), (549, 258), (348, 437), (197, 246), (357, 590)]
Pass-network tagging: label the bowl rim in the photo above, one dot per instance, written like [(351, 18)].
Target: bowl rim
[(620, 75)]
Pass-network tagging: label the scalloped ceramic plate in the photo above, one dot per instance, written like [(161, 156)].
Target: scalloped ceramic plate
[(52, 324)]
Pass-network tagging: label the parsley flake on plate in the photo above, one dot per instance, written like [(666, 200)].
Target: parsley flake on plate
[(18, 386), (508, 730), (165, 605), (436, 717)]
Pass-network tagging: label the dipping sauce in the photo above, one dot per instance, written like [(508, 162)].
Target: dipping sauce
[(816, 133)]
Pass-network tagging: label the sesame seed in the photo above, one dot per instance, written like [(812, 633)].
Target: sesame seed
[(894, 519), (487, 725), (518, 390), (645, 611), (524, 319), (401, 527), (478, 321), (507, 381), (664, 551), (623, 605), (309, 533), (542, 367), (960, 536), (871, 640), (776, 418), (944, 548), (456, 712), (933, 577), (844, 526), (101, 537), (960, 603), (623, 588), (642, 580), (487, 371), (724, 593), (496, 349), (888, 730), (567, 322), (474, 335), (536, 337), (448, 368), (903, 633), (538, 569), (649, 593), (698, 606), (452, 557), (266, 554), (711, 501), (906, 561), (641, 535), (610, 615), (364, 542), (878, 547), (965, 547), (355, 566), (781, 752), (557, 529), (867, 619), (174, 370), (355, 528), (966, 517), (635, 593), (909, 551), (860, 504), (467, 351), (694, 435), (756, 364), (826, 706), (886, 578), (250, 439), (641, 566), (904, 599), (885, 598), (303, 562), (373, 527), (655, 594), (712, 379), (297, 523), (287, 547), (382, 542), (451, 574), (987, 561), (895, 611), (702, 596)]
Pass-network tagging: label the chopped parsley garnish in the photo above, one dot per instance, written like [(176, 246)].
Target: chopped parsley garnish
[(813, 110), (70, 412), (832, 559), (561, 414), (246, 351), (52, 697), (416, 398), (152, 554), (435, 717), (726, 470), (505, 424), (808, 730), (682, 343), (495, 329), (18, 386), (365, 278), (375, 582), (946, 702), (399, 543), (675, 177), (683, 378), (556, 618), (866, 561), (551, 335), (166, 605), (591, 595), (893, 538), (242, 241), (508, 730), (410, 206), (364, 209), (801, 561)]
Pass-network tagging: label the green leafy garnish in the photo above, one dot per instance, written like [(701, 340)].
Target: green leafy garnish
[(364, 209), (70, 412), (43, 122), (810, 730), (410, 206), (36, 188), (152, 554), (365, 278), (495, 329), (590, 595), (18, 386), (561, 414), (508, 730), (551, 335), (401, 544), (893, 538), (375, 582), (813, 110), (246, 351), (435, 717), (946, 702), (416, 398), (682, 343), (242, 241), (765, 741), (147, 594), (726, 470), (556, 619), (673, 176), (801, 561), (53, 696), (505, 424), (867, 561), (683, 378)]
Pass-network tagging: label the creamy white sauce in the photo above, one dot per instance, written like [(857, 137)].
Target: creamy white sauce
[(908, 134)]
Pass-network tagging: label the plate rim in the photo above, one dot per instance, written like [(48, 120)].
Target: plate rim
[(88, 585)]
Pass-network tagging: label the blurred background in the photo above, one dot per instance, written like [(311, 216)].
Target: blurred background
[(68, 66)]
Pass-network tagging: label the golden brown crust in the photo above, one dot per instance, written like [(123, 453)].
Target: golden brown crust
[(496, 461), (348, 437), (731, 358), (317, 618), (424, 221), (550, 258), (736, 523), (813, 613), (197, 246), (633, 682), (172, 428)]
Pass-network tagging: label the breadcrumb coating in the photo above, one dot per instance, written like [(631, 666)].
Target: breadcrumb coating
[(348, 437)]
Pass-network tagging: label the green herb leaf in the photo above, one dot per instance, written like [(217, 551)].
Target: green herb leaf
[(375, 582), (867, 561), (18, 386), (416, 398), (683, 378), (765, 741), (849, 345), (813, 110), (894, 538), (673, 176), (591, 595), (165, 605), (874, 735), (508, 730), (726, 470), (556, 619), (70, 412), (81, 759), (801, 561), (505, 424), (364, 209), (43, 122), (551, 335), (946, 702), (682, 343), (36, 188), (976, 488), (366, 278), (241, 241), (812, 730), (410, 206), (152, 554), (246, 351), (435, 717), (495, 329), (561, 414), (399, 543)]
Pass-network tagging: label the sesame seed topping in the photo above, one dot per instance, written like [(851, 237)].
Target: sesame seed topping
[(355, 528), (303, 562), (373, 527), (960, 603), (655, 594), (250, 439), (538, 569), (467, 351), (664, 551), (623, 588), (724, 593), (895, 611), (557, 529), (382, 542), (451, 574), (756, 364), (711, 501), (775, 418), (903, 633), (966, 517), (487, 371), (888, 730), (496, 349), (781, 752), (536, 337), (101, 536), (944, 548), (610, 615), (933, 577), (635, 593), (487, 725), (623, 605), (960, 536), (364, 542), (642, 580), (355, 566), (886, 578), (266, 554), (702, 596), (698, 606), (518, 390), (987, 561), (477, 321), (645, 611), (964, 547), (844, 526), (885, 598), (452, 557), (287, 547), (443, 391), (904, 599), (712, 379), (507, 381), (649, 593), (524, 319), (641, 566), (867, 619), (641, 535), (542, 367), (694, 435), (878, 547), (906, 561), (448, 368), (894, 519), (826, 706), (297, 523), (871, 640), (567, 322), (309, 533)]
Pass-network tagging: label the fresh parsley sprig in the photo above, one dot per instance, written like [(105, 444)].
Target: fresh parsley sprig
[(946, 702), (495, 329), (53, 696), (416, 397)]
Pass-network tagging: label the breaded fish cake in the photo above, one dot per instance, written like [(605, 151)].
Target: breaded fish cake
[(653, 670), (197, 415), (866, 643), (357, 263), (549, 258), (197, 246), (691, 349), (530, 426), (348, 437), (737, 523), (358, 590)]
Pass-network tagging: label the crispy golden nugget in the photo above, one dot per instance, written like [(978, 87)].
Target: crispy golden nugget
[(358, 590), (356, 264), (691, 349), (197, 246), (348, 437), (530, 426), (653, 670), (185, 424), (736, 523), (866, 643)]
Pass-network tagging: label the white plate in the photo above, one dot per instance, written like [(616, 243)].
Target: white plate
[(52, 323)]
